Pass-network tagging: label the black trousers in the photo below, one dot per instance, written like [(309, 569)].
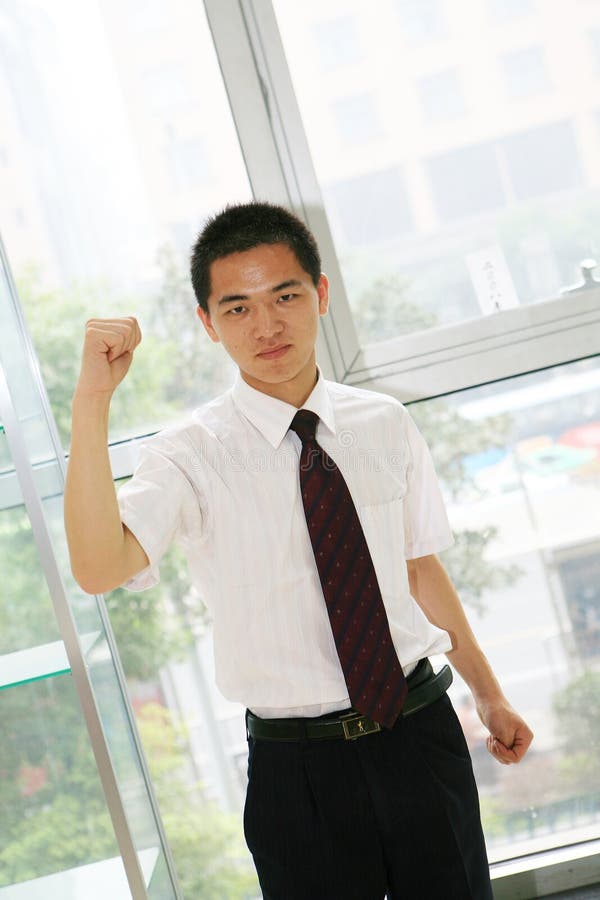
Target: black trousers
[(392, 814)]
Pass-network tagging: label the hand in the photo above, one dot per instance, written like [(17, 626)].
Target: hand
[(107, 354), (510, 736)]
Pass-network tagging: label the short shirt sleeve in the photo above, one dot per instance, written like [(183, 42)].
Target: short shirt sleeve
[(159, 505), (426, 526)]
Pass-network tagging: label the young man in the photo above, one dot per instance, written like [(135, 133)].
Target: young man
[(312, 539)]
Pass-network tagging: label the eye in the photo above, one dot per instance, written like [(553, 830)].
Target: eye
[(287, 297), (235, 310)]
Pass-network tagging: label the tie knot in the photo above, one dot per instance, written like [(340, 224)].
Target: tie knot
[(304, 424)]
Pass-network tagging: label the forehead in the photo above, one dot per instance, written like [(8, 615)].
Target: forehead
[(259, 268)]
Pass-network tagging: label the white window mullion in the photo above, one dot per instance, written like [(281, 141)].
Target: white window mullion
[(275, 148)]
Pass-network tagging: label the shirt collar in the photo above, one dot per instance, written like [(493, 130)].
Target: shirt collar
[(273, 417)]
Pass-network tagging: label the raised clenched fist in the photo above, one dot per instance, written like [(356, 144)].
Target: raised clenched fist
[(107, 353)]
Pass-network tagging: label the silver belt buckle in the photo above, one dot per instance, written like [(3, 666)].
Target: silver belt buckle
[(356, 726)]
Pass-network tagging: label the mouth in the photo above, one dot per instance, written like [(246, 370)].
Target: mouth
[(274, 352)]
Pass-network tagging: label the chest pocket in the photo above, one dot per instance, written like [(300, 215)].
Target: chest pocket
[(380, 506), (377, 481)]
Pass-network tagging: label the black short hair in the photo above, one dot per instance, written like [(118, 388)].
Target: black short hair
[(242, 227)]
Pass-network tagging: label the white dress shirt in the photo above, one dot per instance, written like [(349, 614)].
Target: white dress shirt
[(225, 484)]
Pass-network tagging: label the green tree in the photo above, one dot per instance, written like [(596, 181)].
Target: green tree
[(26, 614), (199, 369), (176, 366), (62, 821), (56, 320), (382, 311)]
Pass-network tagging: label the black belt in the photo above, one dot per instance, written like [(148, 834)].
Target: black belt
[(424, 687)]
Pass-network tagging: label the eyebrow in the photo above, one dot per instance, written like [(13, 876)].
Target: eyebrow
[(235, 298)]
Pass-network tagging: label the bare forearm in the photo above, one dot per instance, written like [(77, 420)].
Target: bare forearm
[(434, 592), (510, 736)]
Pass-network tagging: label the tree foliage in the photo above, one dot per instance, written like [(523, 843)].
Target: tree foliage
[(382, 311), (54, 814)]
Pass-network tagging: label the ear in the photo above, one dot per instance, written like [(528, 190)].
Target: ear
[(206, 321), (323, 294)]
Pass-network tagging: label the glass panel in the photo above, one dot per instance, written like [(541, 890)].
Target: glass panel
[(105, 178), (94, 881), (26, 614), (520, 464), (53, 815), (23, 606), (456, 145), (37, 662)]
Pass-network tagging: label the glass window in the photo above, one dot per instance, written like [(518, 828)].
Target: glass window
[(579, 572), (505, 10), (525, 72), (441, 95), (594, 42), (26, 614), (371, 207), (337, 42), (466, 182), (165, 87), (53, 815), (421, 20), (472, 166), (31, 652), (520, 465), (188, 162), (535, 172), (115, 170), (147, 15), (357, 119)]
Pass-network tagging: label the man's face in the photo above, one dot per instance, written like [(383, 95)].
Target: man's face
[(264, 308)]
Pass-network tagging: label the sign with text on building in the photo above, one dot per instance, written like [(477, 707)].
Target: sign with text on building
[(492, 279)]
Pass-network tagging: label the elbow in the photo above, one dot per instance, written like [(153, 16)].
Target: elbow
[(94, 582)]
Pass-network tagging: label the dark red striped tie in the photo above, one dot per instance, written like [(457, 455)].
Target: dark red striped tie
[(376, 683)]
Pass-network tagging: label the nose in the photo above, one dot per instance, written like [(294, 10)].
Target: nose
[(267, 321)]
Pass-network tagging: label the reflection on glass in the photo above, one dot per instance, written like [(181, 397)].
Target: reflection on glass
[(520, 463), (105, 180), (481, 149)]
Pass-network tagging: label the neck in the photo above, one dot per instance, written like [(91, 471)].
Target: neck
[(295, 392), (299, 403)]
